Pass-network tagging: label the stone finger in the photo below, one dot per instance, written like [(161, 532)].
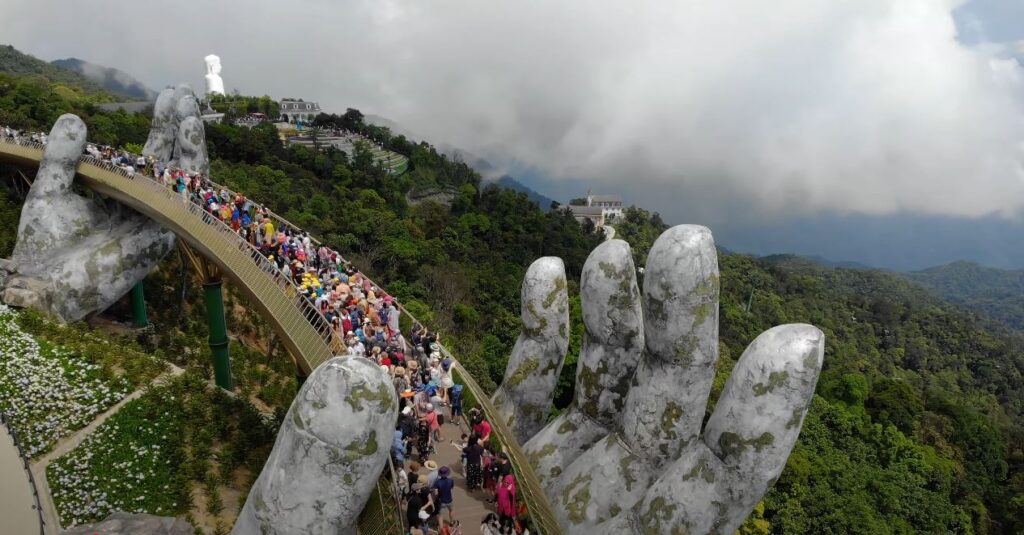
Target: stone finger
[(53, 214), (190, 149), (759, 415), (163, 128), (64, 146), (526, 393), (329, 453), (670, 389), (613, 340), (614, 332), (717, 481)]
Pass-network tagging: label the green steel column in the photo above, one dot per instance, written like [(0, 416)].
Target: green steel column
[(139, 305), (218, 334)]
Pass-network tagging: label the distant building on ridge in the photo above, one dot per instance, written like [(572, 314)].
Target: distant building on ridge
[(598, 208), (299, 110)]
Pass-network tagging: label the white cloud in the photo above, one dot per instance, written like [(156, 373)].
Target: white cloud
[(781, 107)]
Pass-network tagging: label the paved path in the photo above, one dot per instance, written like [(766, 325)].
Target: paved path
[(17, 505), (470, 507)]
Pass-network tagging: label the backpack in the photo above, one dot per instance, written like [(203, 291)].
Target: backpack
[(456, 395)]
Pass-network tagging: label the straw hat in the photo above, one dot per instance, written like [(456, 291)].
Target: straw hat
[(429, 465)]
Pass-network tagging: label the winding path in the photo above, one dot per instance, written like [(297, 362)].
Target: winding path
[(17, 505)]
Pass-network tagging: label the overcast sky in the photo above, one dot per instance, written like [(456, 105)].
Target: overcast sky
[(708, 112)]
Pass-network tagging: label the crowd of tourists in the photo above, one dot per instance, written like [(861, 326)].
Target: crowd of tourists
[(365, 324)]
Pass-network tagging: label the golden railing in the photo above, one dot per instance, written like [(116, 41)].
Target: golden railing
[(302, 328)]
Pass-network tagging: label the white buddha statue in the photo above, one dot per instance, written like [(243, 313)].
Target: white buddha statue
[(214, 83)]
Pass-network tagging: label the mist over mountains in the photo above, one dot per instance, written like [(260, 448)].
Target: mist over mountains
[(111, 79)]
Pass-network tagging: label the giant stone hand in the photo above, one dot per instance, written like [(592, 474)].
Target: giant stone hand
[(629, 455), (76, 256)]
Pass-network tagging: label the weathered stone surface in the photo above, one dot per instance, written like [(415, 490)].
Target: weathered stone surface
[(671, 387), (77, 256), (329, 452), (612, 344), (525, 395), (133, 524), (629, 455), (716, 481)]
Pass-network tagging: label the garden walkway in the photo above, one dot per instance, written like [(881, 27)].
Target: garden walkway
[(17, 505), (50, 515)]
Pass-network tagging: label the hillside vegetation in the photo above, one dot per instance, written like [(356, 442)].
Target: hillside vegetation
[(996, 293), (18, 63), (917, 422)]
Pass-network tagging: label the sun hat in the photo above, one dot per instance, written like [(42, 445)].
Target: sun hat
[(430, 465)]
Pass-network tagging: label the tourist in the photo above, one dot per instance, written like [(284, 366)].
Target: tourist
[(432, 472), (444, 485), (490, 525), (456, 404), (506, 494), (417, 501), (430, 416), (398, 448), (473, 454), (414, 473), (480, 426)]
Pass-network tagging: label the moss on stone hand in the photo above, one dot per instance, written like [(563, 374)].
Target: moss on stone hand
[(669, 418), (384, 396), (733, 444), (775, 379), (523, 371)]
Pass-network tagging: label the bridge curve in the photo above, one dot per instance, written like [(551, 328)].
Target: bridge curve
[(303, 330)]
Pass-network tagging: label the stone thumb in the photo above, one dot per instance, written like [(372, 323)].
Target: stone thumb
[(329, 454), (60, 157)]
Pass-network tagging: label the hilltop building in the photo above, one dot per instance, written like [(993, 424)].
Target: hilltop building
[(598, 208), (295, 110)]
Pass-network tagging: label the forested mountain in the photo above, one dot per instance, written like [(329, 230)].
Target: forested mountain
[(109, 78), (20, 64), (997, 293), (918, 421), (508, 182)]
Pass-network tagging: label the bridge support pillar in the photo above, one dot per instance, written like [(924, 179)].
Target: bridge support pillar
[(139, 306), (214, 293)]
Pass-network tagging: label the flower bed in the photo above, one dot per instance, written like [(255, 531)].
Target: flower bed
[(147, 457), (48, 391)]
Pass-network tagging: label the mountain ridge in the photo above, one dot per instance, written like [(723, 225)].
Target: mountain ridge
[(110, 78)]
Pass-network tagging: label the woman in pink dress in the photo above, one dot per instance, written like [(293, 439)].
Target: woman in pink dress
[(506, 493)]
